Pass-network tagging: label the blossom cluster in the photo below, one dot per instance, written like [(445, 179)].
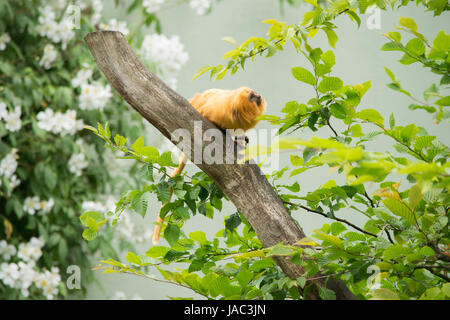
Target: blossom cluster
[(57, 31), (115, 25), (152, 6), (167, 53), (35, 204), (12, 118), (77, 163), (23, 274), (4, 39), (59, 123), (94, 96), (49, 56), (200, 6), (8, 166)]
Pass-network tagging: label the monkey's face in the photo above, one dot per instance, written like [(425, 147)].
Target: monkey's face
[(252, 99)]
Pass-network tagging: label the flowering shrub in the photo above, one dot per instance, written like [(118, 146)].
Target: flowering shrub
[(51, 169)]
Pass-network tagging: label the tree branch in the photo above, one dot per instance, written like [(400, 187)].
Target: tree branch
[(244, 184)]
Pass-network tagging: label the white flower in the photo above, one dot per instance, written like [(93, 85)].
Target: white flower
[(3, 110), (32, 204), (66, 32), (50, 55), (94, 96), (9, 164), (115, 25), (9, 273), (46, 206), (49, 27), (97, 6), (32, 250), (93, 206), (48, 281), (14, 182), (59, 123), (82, 77), (200, 6), (7, 250), (27, 276), (13, 122), (4, 39), (46, 120), (167, 53), (137, 233), (152, 6), (77, 163)]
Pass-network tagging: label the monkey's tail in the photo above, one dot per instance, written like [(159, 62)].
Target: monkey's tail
[(159, 221)]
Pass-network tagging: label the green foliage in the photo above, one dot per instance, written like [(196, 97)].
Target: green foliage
[(405, 238)]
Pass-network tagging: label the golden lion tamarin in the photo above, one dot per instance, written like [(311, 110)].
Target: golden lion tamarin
[(227, 109)]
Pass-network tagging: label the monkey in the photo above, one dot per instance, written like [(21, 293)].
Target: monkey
[(227, 109)]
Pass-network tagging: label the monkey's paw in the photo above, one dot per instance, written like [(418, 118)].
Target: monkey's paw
[(242, 141)]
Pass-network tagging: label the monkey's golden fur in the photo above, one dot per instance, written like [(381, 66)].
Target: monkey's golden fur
[(227, 109)]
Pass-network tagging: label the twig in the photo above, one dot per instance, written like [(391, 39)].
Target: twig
[(335, 218)]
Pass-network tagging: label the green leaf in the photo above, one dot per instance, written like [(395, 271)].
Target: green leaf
[(395, 251), (163, 192), (428, 109), (370, 115), (415, 195), (198, 236), (138, 145), (301, 74), (172, 234), (140, 203), (133, 258), (62, 249), (326, 294), (391, 75), (301, 281), (328, 58), (336, 228), (408, 23), (96, 215), (89, 234), (392, 46), (415, 46), (50, 177), (157, 251), (400, 209), (201, 71), (233, 221), (332, 37), (391, 121), (330, 84), (338, 111), (119, 140), (383, 294), (443, 101)]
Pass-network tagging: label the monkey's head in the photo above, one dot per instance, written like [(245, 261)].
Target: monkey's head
[(248, 105)]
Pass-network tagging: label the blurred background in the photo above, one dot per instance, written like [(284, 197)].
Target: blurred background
[(190, 37)]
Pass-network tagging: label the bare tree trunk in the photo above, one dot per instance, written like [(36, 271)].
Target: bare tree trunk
[(243, 184)]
